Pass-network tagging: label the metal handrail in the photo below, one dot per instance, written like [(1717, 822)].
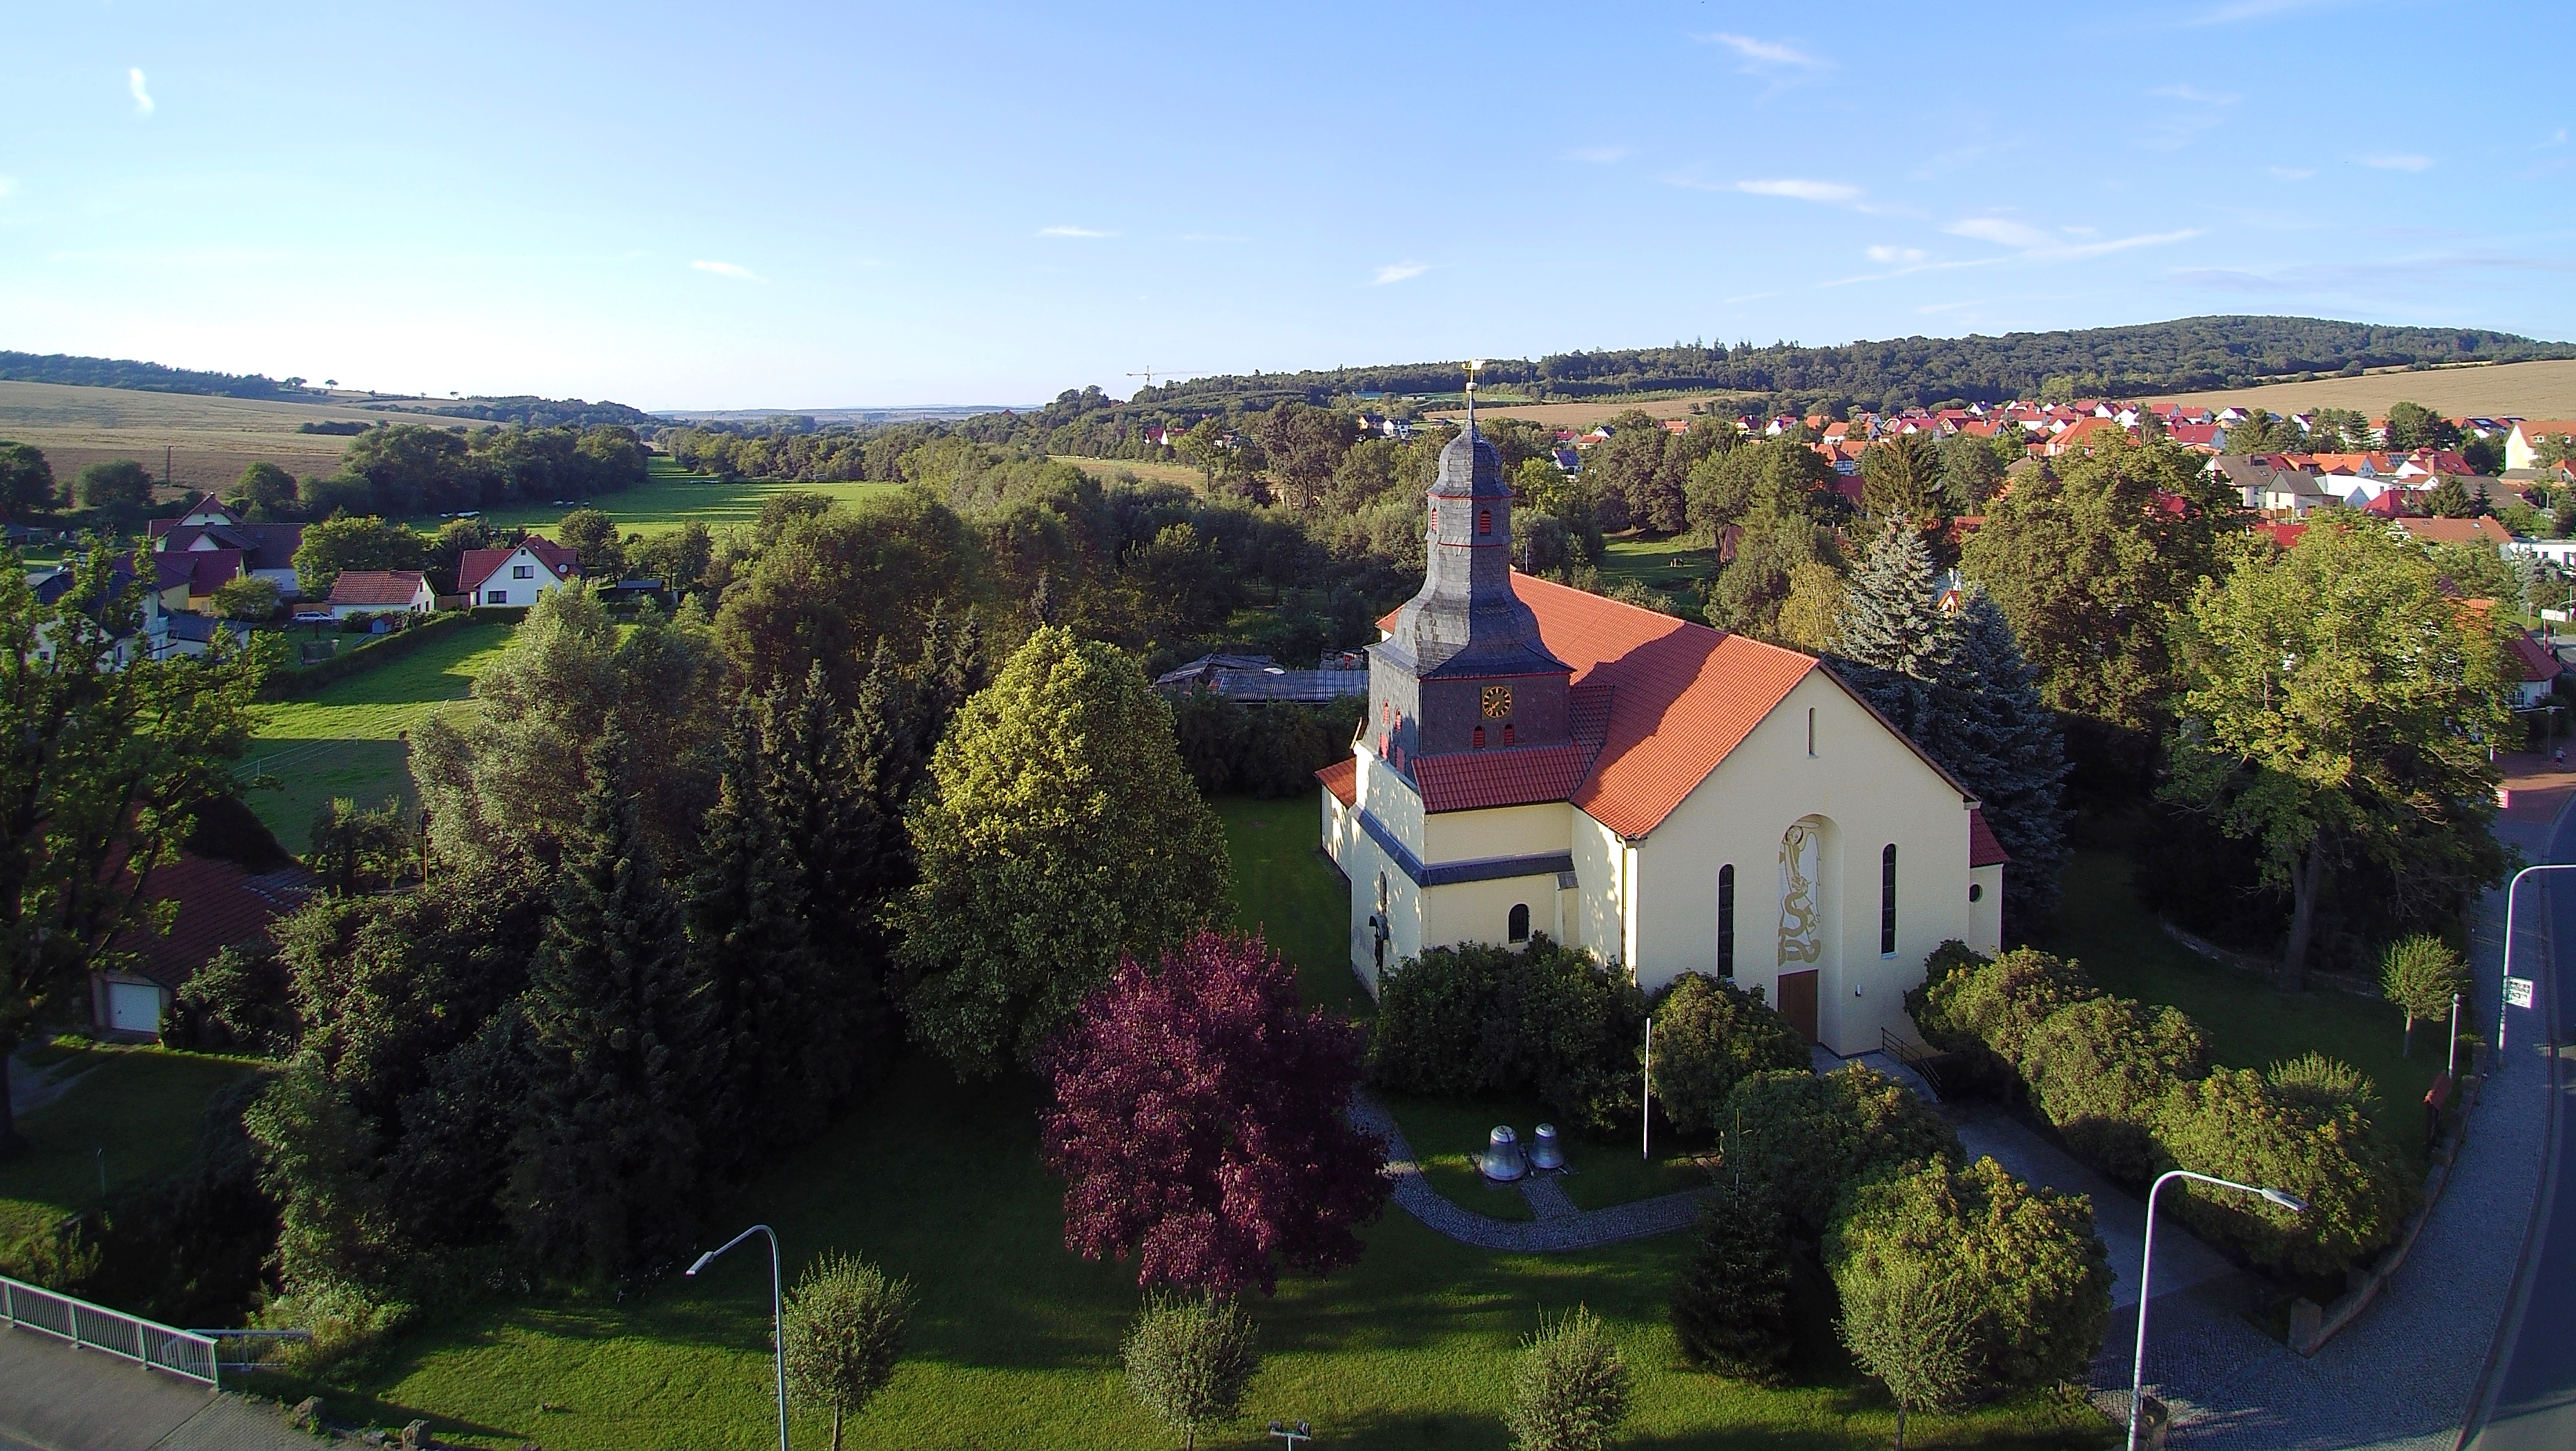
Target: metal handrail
[(1914, 1058), (147, 1343)]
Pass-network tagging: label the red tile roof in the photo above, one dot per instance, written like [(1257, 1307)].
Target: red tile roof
[(1342, 778), (477, 565), (2534, 658), (375, 587), (220, 906), (1983, 849), (2457, 531), (211, 569)]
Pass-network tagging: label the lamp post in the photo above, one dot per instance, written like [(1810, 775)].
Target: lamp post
[(777, 1313), (2503, 999), (2147, 1265)]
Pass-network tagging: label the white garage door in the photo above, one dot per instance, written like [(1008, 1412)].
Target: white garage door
[(133, 1007)]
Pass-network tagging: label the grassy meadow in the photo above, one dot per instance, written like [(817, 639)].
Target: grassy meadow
[(1016, 1340), (132, 1111), (667, 499), (347, 739), (1670, 566)]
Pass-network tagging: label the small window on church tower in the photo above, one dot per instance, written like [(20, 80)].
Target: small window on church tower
[(1480, 738), (1484, 521), (1507, 735)]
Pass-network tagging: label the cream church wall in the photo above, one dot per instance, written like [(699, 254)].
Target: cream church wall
[(1986, 913), (1872, 790), (1404, 910), (1481, 911), (1459, 836)]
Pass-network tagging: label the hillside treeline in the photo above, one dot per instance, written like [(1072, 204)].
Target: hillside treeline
[(142, 377), (414, 468)]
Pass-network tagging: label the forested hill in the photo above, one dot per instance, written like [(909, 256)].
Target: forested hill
[(2163, 357), (143, 377), (157, 378)]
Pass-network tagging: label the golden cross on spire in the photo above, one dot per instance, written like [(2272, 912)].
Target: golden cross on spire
[(1474, 366)]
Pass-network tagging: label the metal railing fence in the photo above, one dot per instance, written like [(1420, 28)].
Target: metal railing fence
[(148, 1343)]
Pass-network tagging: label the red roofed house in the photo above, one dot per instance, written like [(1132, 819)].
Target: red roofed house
[(516, 576), (2538, 671), (2522, 446), (381, 592), (2457, 531), (212, 527), (1668, 797), (218, 905)]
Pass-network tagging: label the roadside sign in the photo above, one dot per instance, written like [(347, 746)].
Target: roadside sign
[(2517, 992), (2556, 616)]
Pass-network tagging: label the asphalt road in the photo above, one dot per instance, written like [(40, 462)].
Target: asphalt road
[(2530, 1396)]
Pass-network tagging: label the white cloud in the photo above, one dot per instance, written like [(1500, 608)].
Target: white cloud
[(1805, 191), (142, 97), (2397, 161), (727, 269), (1598, 155), (2003, 231), (1072, 232), (1398, 272), (1896, 254), (1766, 52)]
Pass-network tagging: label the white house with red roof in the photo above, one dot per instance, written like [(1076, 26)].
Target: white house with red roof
[(2537, 669), (381, 592), (212, 527), (1668, 797), (516, 576), (2523, 445)]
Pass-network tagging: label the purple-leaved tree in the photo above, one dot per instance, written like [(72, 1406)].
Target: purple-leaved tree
[(1198, 1123)]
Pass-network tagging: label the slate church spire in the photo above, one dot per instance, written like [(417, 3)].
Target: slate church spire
[(1464, 668)]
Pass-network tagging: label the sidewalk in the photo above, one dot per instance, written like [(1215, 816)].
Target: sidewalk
[(52, 1395), (2400, 1378)]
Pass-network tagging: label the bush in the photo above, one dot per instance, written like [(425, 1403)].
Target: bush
[(1731, 1306), (2040, 1276), (239, 1002), (2325, 1083), (1800, 1138), (1572, 1390), (1709, 1036), (1478, 1019), (1189, 1361), (2236, 1125), (2420, 974), (2098, 1068), (1988, 1008)]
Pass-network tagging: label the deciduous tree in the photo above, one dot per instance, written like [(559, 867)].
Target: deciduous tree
[(845, 1331), (2338, 704), (26, 481), (2421, 975), (1198, 1123), (364, 542), (1572, 1388), (1189, 1361), (1063, 834)]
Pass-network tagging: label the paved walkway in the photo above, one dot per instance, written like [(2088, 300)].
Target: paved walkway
[(1559, 1226), (2400, 1378), (52, 1395)]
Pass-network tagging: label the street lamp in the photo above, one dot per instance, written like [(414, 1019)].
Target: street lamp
[(777, 1313), (2506, 999), (2147, 1265)]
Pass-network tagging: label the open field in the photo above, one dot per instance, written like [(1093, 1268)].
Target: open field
[(1586, 414), (1671, 566), (347, 740), (667, 500), (140, 1105), (1152, 473), (211, 440), (1016, 1340), (2544, 389)]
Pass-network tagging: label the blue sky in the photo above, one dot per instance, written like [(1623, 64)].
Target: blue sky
[(804, 206)]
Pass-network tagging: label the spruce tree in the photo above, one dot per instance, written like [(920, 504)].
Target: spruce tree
[(1908, 651), (821, 795), (782, 1023), (1731, 1307), (621, 1042), (2023, 781)]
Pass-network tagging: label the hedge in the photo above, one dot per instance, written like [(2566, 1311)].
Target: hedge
[(1231, 749), (1709, 1036), (1806, 1138), (297, 683), (1481, 1019)]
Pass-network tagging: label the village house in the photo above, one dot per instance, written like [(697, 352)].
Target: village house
[(2522, 446), (517, 575), (214, 904), (1668, 797), (233, 548), (381, 592)]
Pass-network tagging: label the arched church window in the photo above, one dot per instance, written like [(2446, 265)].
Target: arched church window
[(1726, 920), (1519, 922), (1887, 901), (1976, 891), (1484, 521), (1507, 735), (1479, 738)]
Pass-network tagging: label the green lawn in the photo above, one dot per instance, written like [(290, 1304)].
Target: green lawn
[(2248, 1023), (1016, 1340), (668, 499), (141, 1105), (346, 740), (1671, 565)]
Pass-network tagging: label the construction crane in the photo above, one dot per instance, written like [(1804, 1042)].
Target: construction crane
[(1149, 374)]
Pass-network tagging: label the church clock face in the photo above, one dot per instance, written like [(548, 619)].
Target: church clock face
[(1498, 701)]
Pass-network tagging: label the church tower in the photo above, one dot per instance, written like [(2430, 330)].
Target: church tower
[(1464, 669)]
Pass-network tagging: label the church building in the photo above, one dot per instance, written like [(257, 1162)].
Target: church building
[(1669, 797)]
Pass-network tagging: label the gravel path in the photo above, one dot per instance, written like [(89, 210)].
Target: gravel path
[(1559, 1226), (2401, 1377)]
